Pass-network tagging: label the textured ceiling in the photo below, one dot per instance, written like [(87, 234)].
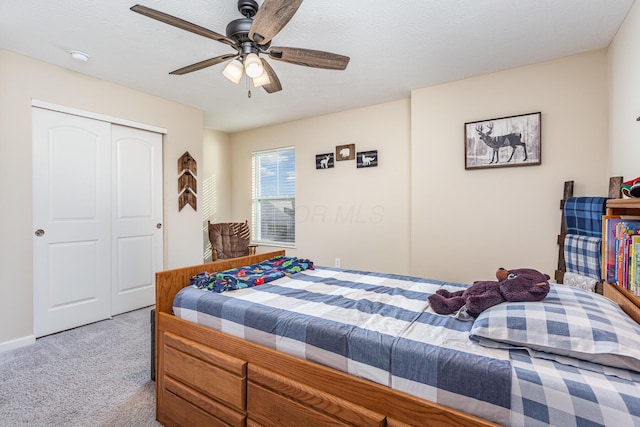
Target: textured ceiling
[(394, 45)]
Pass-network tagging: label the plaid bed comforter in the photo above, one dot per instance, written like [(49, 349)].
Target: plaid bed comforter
[(380, 327)]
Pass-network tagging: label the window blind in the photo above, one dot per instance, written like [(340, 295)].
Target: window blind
[(273, 196)]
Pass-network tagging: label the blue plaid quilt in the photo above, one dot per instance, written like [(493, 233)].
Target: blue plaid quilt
[(583, 215), (380, 327), (582, 255)]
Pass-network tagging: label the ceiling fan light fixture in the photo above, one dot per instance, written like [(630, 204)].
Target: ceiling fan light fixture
[(253, 66), (262, 80), (233, 71)]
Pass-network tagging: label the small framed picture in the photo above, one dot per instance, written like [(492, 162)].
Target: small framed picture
[(367, 159), (345, 152), (324, 161), (507, 141)]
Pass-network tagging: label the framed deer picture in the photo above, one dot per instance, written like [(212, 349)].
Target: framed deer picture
[(503, 142), (324, 161)]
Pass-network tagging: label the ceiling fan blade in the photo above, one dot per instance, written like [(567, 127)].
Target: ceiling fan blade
[(182, 24), (274, 82), (203, 64), (309, 58), (272, 16)]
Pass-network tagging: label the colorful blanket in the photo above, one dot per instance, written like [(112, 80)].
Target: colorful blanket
[(251, 275)]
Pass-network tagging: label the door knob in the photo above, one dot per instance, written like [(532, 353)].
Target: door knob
[(158, 225), (39, 232)]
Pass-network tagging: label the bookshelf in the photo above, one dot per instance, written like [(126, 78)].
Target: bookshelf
[(627, 301)]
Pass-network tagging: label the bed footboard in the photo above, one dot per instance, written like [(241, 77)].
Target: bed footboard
[(208, 378)]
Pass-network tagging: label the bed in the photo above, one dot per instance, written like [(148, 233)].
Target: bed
[(241, 358)]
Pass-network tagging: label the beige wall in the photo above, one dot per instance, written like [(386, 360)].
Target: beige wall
[(420, 212), (624, 85), (216, 183), (23, 79), (412, 214), (465, 224), (358, 215)]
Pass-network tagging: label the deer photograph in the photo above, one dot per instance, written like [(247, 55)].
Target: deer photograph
[(510, 141)]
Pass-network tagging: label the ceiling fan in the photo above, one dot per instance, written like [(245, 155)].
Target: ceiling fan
[(251, 36)]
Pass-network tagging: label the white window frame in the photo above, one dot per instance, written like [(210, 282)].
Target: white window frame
[(257, 233)]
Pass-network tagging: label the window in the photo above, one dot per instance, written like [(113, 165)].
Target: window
[(274, 196)]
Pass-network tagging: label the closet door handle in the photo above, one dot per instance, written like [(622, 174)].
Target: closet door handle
[(39, 232), (158, 225)]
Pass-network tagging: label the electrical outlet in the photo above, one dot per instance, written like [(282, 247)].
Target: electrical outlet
[(338, 263)]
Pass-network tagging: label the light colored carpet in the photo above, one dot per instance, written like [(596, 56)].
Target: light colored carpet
[(95, 375)]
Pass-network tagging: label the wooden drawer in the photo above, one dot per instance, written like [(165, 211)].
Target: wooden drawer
[(393, 423), (181, 398), (273, 400), (180, 412), (213, 374)]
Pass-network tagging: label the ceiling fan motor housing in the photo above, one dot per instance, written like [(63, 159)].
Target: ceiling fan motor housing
[(238, 29), (247, 8)]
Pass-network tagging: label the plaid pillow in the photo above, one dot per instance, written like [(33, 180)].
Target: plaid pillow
[(568, 322), (582, 255)]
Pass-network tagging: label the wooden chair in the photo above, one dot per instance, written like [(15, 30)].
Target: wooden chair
[(230, 240)]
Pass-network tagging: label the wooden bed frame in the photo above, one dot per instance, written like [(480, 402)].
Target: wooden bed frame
[(209, 378)]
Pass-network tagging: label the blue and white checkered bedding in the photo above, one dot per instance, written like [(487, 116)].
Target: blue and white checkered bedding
[(379, 327), (582, 255)]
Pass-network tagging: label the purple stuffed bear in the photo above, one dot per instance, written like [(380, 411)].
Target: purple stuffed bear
[(523, 284)]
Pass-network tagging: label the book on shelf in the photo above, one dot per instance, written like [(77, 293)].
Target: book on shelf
[(634, 266), (608, 247), (620, 252)]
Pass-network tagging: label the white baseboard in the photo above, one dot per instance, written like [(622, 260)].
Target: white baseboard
[(17, 343)]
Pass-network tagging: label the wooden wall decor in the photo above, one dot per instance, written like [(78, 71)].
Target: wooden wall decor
[(187, 198), (186, 162), (367, 159), (187, 181), (345, 152), (324, 161)]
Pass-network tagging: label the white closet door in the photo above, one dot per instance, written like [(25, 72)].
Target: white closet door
[(72, 221), (137, 217)]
